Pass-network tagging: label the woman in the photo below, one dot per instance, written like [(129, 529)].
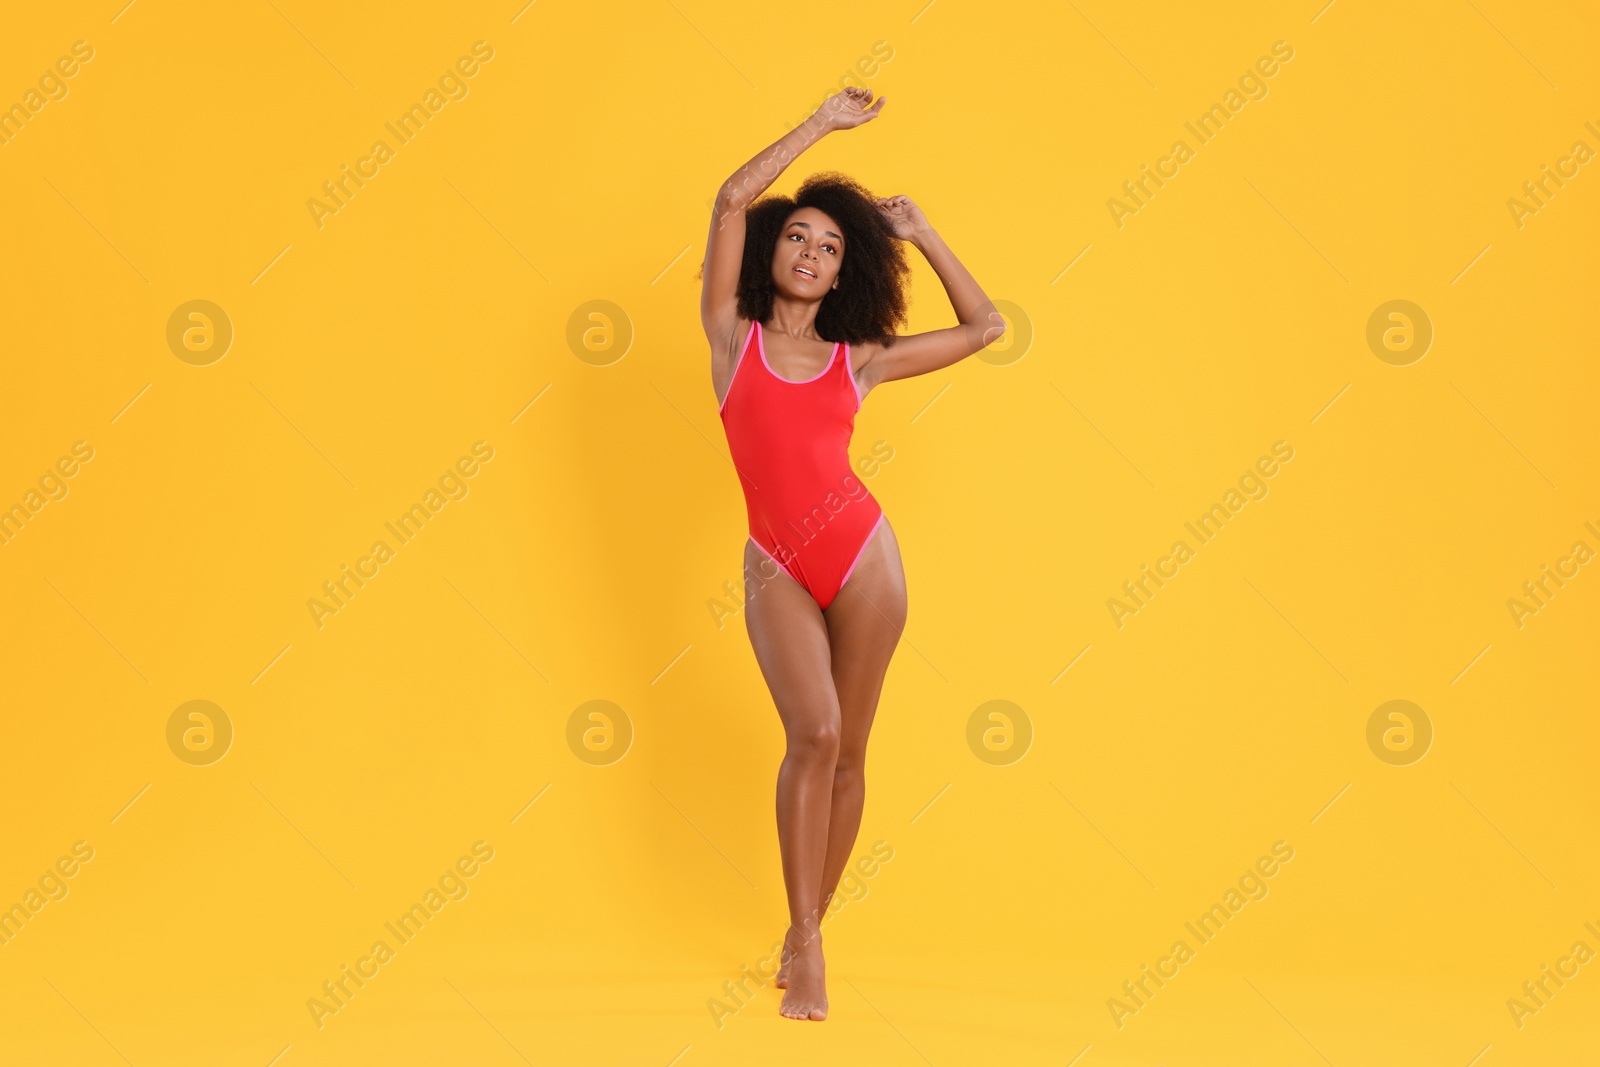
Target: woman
[(800, 302)]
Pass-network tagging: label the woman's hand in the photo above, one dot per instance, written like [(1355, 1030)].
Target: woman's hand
[(903, 216), (848, 109)]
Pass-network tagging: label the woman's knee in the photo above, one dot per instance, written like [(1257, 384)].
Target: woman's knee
[(815, 741), (847, 771)]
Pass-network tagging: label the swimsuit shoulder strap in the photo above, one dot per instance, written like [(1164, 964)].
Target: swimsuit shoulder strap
[(739, 361), (850, 374)]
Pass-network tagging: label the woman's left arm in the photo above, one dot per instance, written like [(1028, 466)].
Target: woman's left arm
[(981, 324)]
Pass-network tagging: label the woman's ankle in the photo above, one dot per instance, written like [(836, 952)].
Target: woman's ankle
[(797, 936)]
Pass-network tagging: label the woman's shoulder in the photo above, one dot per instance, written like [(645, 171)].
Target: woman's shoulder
[(864, 352)]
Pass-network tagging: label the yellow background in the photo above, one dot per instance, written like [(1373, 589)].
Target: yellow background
[(370, 353)]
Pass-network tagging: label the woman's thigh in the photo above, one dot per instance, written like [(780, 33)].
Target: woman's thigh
[(864, 623), (790, 640)]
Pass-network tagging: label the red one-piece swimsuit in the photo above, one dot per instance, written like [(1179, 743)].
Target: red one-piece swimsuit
[(790, 444)]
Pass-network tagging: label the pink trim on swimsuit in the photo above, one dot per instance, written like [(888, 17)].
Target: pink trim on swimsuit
[(776, 560), (762, 348), (851, 371), (851, 569)]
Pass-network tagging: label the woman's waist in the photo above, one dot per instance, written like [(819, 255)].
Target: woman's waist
[(776, 501)]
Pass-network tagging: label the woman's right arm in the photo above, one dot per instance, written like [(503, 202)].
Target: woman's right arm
[(719, 300)]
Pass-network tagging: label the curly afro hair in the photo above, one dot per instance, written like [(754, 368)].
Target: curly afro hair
[(870, 302)]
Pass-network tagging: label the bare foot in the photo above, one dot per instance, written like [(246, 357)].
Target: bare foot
[(785, 959), (806, 995)]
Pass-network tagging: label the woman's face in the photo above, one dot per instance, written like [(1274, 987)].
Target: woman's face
[(805, 264)]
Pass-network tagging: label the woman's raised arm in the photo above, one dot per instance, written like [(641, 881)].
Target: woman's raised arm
[(719, 303), (980, 323)]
